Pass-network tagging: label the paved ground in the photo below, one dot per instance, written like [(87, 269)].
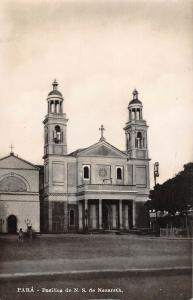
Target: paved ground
[(80, 252), (110, 253)]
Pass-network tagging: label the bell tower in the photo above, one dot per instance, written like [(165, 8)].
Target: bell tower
[(136, 130), (55, 124), (54, 208)]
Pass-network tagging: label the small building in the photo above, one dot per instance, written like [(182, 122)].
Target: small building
[(19, 195)]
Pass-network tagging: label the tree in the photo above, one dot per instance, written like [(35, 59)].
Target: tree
[(174, 195)]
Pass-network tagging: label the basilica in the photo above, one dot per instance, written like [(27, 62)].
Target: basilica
[(98, 188)]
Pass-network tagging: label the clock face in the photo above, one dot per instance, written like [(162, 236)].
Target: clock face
[(102, 172)]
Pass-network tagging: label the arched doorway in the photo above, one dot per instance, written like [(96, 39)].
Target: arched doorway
[(12, 224)]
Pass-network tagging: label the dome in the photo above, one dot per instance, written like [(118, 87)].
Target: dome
[(55, 90), (135, 99)]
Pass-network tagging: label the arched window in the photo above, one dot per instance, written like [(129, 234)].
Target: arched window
[(119, 173), (86, 172), (52, 107), (12, 184), (57, 107), (138, 141), (72, 219), (133, 114), (138, 114), (128, 140), (57, 134)]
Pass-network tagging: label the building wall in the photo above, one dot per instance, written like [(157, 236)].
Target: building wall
[(24, 207), (102, 163), (19, 193)]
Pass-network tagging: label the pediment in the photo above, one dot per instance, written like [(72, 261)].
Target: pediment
[(14, 162), (102, 149)]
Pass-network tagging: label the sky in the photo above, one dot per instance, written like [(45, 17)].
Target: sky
[(98, 51)]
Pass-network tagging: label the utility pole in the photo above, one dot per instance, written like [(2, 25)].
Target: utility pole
[(156, 172)]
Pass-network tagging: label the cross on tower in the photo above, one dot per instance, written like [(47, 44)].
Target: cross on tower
[(102, 129), (135, 94), (11, 148), (55, 84)]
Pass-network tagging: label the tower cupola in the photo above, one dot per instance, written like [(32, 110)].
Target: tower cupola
[(136, 130), (55, 100), (55, 124), (135, 107)]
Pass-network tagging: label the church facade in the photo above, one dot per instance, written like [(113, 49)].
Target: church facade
[(99, 187)]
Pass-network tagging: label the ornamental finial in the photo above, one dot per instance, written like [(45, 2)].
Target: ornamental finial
[(135, 94), (55, 84)]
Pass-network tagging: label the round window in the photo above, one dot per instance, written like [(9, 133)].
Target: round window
[(102, 172)]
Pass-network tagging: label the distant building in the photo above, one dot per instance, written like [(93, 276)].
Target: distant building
[(96, 188)]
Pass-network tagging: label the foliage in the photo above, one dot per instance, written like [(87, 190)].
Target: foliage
[(174, 195)]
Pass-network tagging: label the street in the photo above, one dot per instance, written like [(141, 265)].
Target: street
[(95, 267)]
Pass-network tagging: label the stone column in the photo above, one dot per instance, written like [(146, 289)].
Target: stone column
[(61, 108), (134, 175), (130, 115), (120, 215), (66, 217), (113, 221), (135, 114), (126, 212), (80, 224), (133, 214), (86, 214), (100, 214), (141, 114), (50, 216)]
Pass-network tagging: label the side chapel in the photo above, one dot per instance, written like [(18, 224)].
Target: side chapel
[(19, 194)]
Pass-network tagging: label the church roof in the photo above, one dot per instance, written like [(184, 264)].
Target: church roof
[(102, 149), (10, 161), (74, 153)]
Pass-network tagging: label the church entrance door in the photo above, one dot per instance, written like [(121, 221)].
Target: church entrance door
[(12, 224), (110, 214), (105, 216)]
